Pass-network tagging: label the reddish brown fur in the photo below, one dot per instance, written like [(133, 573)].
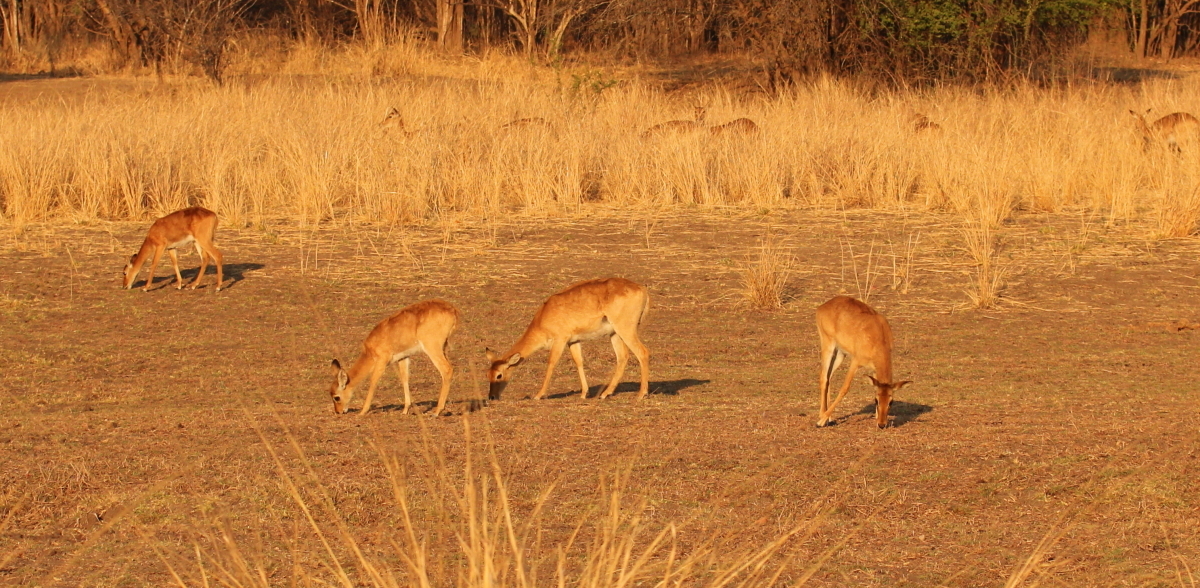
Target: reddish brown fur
[(521, 123), (1165, 128), (193, 225), (850, 327), (742, 126), (393, 121), (424, 327), (922, 123), (678, 126), (593, 308)]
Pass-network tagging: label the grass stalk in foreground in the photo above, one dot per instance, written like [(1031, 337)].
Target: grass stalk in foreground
[(474, 536)]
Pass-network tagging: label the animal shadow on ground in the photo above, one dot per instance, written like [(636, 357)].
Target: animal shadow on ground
[(667, 388), (423, 407), (900, 411), (234, 273)]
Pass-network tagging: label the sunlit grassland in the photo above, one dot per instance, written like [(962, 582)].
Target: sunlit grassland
[(306, 145)]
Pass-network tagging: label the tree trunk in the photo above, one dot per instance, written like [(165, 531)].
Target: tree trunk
[(450, 25), (121, 32), (12, 26), (1143, 25)]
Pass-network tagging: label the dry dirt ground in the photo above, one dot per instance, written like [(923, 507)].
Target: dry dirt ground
[(1069, 412)]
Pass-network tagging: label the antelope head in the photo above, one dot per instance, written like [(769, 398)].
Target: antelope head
[(499, 372), (338, 391), (883, 399), (128, 275)]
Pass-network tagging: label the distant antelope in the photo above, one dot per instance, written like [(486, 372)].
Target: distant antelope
[(738, 126), (849, 327), (1165, 128), (922, 123), (394, 121), (424, 327), (526, 123), (679, 126), (612, 307), (190, 226)]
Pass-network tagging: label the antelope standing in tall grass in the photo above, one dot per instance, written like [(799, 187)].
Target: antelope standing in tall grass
[(737, 126), (848, 327), (393, 122), (424, 327), (190, 226), (1165, 129), (612, 307), (531, 122), (679, 126), (923, 124)]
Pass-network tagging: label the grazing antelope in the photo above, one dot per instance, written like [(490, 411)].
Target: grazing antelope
[(591, 309), (679, 126), (738, 126), (393, 121), (190, 226), (922, 123), (527, 123), (849, 327), (1165, 128), (424, 327)]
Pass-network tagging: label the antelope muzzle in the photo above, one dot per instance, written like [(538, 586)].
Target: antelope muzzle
[(495, 389)]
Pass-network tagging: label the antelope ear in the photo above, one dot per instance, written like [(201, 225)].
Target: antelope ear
[(873, 380), (343, 379), (900, 385), (491, 355), (515, 359), (336, 365)]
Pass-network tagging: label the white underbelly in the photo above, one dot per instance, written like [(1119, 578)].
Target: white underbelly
[(605, 330), (407, 353), (182, 243)]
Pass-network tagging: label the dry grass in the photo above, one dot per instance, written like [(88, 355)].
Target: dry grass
[(987, 281), (902, 264), (1179, 214), (305, 144), (459, 527), (765, 277)]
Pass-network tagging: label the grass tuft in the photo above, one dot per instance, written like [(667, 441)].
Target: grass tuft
[(765, 278), (988, 276)]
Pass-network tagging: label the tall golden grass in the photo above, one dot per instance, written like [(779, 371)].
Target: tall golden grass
[(458, 526), (295, 134)]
